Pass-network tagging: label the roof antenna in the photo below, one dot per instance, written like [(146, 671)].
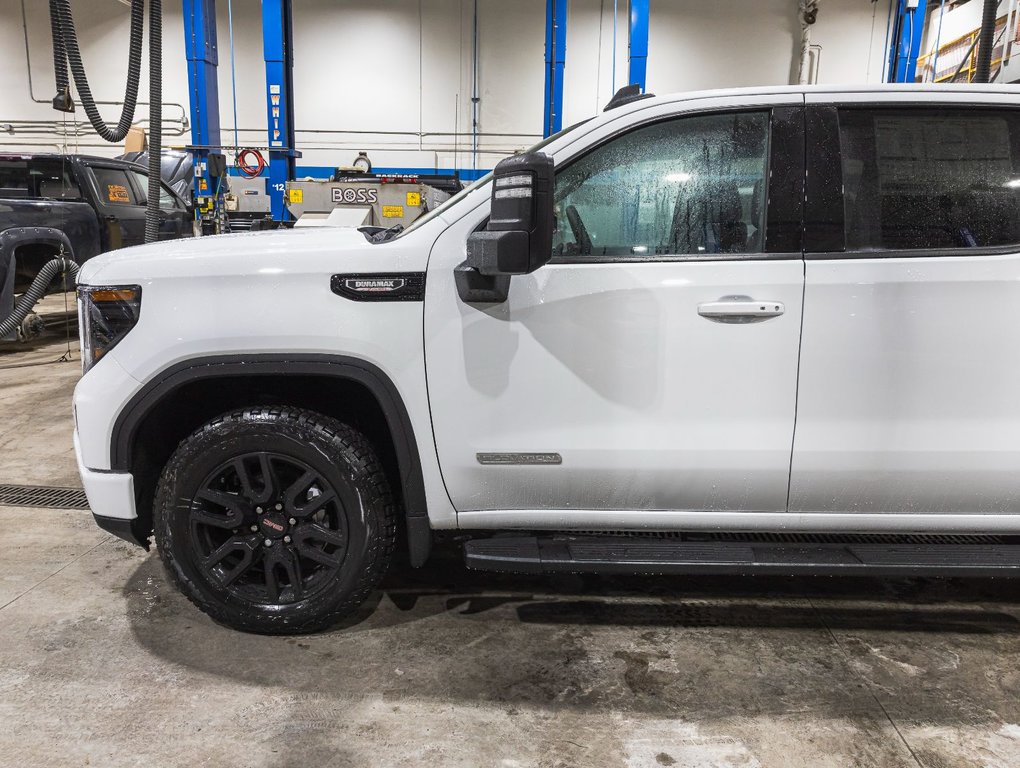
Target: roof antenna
[(626, 95)]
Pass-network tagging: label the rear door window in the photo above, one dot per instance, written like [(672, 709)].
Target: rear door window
[(14, 178), (47, 177), (114, 187), (935, 178)]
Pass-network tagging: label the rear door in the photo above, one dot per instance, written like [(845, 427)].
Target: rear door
[(910, 356), (121, 210)]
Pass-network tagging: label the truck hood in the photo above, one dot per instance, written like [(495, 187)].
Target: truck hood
[(281, 251)]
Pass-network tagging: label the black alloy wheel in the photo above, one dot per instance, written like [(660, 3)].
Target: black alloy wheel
[(275, 520), (269, 528)]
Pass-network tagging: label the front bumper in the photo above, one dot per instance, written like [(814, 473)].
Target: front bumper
[(129, 530), (111, 497), (98, 398)]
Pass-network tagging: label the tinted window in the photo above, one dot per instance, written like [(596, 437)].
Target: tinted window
[(167, 201), (13, 178), (930, 178), (114, 187), (38, 177), (693, 185)]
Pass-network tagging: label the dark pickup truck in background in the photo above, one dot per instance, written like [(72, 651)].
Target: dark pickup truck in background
[(98, 203)]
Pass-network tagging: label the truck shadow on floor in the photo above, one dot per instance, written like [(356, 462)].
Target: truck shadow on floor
[(937, 651), (894, 605)]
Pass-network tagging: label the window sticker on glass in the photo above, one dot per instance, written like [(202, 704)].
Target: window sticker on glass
[(117, 193)]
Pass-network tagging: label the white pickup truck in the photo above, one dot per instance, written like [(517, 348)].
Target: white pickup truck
[(769, 330)]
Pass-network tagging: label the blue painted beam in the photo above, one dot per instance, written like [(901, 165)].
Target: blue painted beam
[(906, 43), (555, 61), (278, 52), (638, 57), (203, 90)]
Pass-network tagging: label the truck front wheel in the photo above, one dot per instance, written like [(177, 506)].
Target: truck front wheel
[(275, 520)]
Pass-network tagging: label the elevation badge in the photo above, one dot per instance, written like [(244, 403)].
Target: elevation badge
[(519, 458)]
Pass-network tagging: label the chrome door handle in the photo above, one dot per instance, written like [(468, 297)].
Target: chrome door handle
[(740, 309)]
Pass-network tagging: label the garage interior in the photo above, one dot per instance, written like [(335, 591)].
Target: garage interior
[(107, 664)]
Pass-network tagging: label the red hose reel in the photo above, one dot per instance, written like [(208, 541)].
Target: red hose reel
[(250, 169)]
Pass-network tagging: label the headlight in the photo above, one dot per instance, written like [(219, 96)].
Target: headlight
[(107, 314)]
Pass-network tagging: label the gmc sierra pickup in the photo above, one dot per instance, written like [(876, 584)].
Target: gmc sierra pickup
[(755, 331)]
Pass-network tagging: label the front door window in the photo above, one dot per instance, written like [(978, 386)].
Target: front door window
[(689, 186)]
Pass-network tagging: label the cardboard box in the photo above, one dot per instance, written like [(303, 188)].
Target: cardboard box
[(135, 140)]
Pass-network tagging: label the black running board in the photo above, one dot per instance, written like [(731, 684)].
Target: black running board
[(883, 556)]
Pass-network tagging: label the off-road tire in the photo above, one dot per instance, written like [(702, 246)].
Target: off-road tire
[(343, 457)]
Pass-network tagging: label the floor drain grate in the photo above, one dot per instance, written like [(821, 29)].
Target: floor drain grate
[(43, 496)]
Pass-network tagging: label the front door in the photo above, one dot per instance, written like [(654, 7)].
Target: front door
[(652, 365)]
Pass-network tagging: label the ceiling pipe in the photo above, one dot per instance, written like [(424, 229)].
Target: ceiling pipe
[(808, 16)]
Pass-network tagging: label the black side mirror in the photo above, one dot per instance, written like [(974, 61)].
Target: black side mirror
[(518, 237)]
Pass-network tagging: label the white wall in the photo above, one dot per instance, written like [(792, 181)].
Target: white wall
[(103, 33), (364, 67), (696, 44)]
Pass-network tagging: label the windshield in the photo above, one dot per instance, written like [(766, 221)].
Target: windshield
[(426, 217)]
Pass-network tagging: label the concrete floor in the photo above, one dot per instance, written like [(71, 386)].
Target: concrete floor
[(104, 664)]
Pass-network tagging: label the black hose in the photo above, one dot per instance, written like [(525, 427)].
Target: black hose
[(983, 69), (61, 10), (65, 49), (59, 51), (152, 217), (35, 291)]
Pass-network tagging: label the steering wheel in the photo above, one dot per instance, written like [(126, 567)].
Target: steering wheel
[(580, 232)]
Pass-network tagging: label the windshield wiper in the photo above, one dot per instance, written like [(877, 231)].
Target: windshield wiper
[(379, 234)]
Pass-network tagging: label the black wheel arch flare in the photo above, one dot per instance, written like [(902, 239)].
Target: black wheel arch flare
[(341, 367)]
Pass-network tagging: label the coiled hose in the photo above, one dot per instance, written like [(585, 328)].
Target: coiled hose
[(65, 47), (66, 51), (35, 291)]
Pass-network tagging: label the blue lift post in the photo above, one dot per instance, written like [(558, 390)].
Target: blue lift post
[(555, 59), (638, 57), (278, 51), (203, 88), (906, 43)]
